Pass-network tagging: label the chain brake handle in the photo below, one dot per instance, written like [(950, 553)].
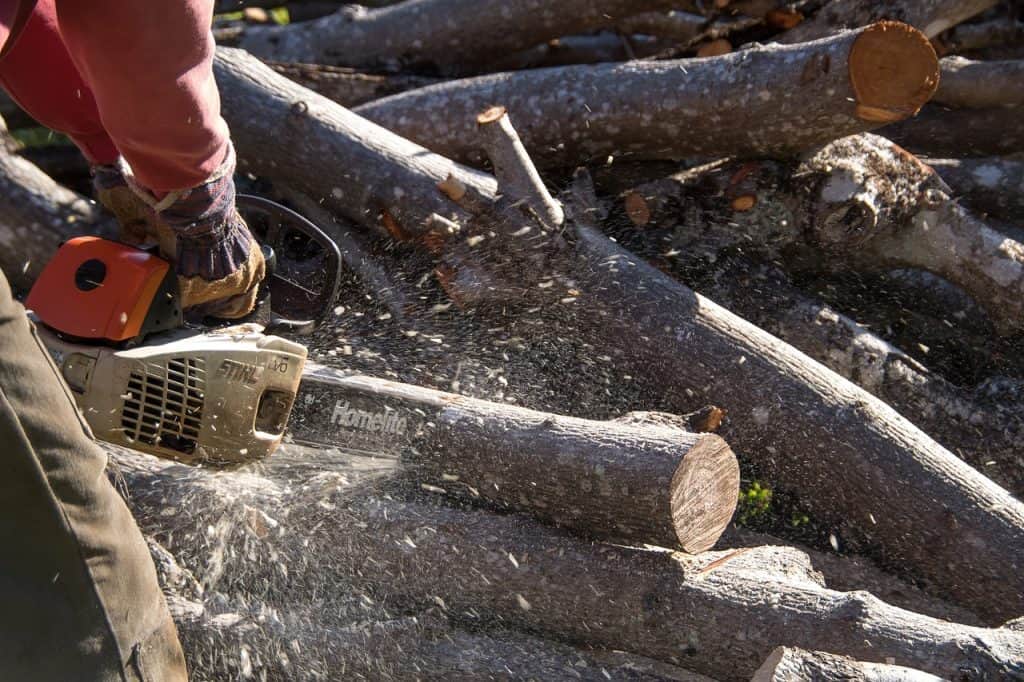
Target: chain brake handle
[(303, 265)]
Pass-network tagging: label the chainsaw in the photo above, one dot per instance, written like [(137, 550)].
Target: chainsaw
[(146, 378)]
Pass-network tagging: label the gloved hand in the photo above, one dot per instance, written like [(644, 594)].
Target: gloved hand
[(133, 214), (218, 263)]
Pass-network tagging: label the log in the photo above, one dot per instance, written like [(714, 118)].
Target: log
[(635, 482), (303, 642), (36, 215), (993, 185), (902, 497), (847, 573), (981, 36), (787, 664), (983, 425), (435, 34), (721, 613), (931, 17), (591, 48), (978, 85), (943, 132), (860, 203), (349, 87), (728, 105), (387, 181)]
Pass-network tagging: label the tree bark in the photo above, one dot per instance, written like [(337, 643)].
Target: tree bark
[(679, 343), (787, 664), (297, 643), (848, 573), (287, 132), (636, 482), (931, 17), (439, 34), (349, 87), (766, 100), (978, 85), (981, 35), (993, 186), (984, 426), (940, 131), (859, 203), (721, 612), (36, 215), (901, 498)]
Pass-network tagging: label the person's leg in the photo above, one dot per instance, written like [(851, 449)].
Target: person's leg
[(150, 66), (79, 593), (39, 75)]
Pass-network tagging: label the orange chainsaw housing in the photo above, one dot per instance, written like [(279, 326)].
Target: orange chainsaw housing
[(94, 288)]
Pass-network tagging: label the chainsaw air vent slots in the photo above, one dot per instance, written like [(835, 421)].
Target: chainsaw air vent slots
[(164, 405)]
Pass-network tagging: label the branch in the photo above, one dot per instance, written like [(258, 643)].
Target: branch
[(787, 664), (518, 179), (993, 185)]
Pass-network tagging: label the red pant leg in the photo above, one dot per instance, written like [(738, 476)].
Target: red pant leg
[(150, 65), (39, 74)]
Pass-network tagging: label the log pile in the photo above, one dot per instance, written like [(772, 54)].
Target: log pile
[(618, 248)]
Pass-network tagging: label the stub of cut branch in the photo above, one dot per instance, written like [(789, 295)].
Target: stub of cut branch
[(518, 179)]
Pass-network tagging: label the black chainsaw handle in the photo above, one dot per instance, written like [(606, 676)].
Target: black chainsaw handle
[(272, 224)]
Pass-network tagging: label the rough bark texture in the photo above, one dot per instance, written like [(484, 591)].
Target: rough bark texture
[(349, 87), (440, 34), (993, 186), (901, 497), (981, 35), (36, 215), (940, 131), (518, 179), (931, 17), (846, 573), (639, 482), (231, 637), (859, 203), (787, 664), (287, 132), (979, 85), (766, 101), (984, 426), (318, 533)]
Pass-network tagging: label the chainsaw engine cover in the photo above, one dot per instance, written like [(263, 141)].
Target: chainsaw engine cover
[(100, 290), (219, 396)]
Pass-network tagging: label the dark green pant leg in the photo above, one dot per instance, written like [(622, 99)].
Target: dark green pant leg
[(79, 598)]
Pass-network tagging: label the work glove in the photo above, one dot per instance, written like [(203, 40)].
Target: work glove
[(133, 214), (218, 263)]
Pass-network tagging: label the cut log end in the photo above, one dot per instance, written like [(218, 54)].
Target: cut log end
[(704, 493), (893, 70), (491, 115)]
